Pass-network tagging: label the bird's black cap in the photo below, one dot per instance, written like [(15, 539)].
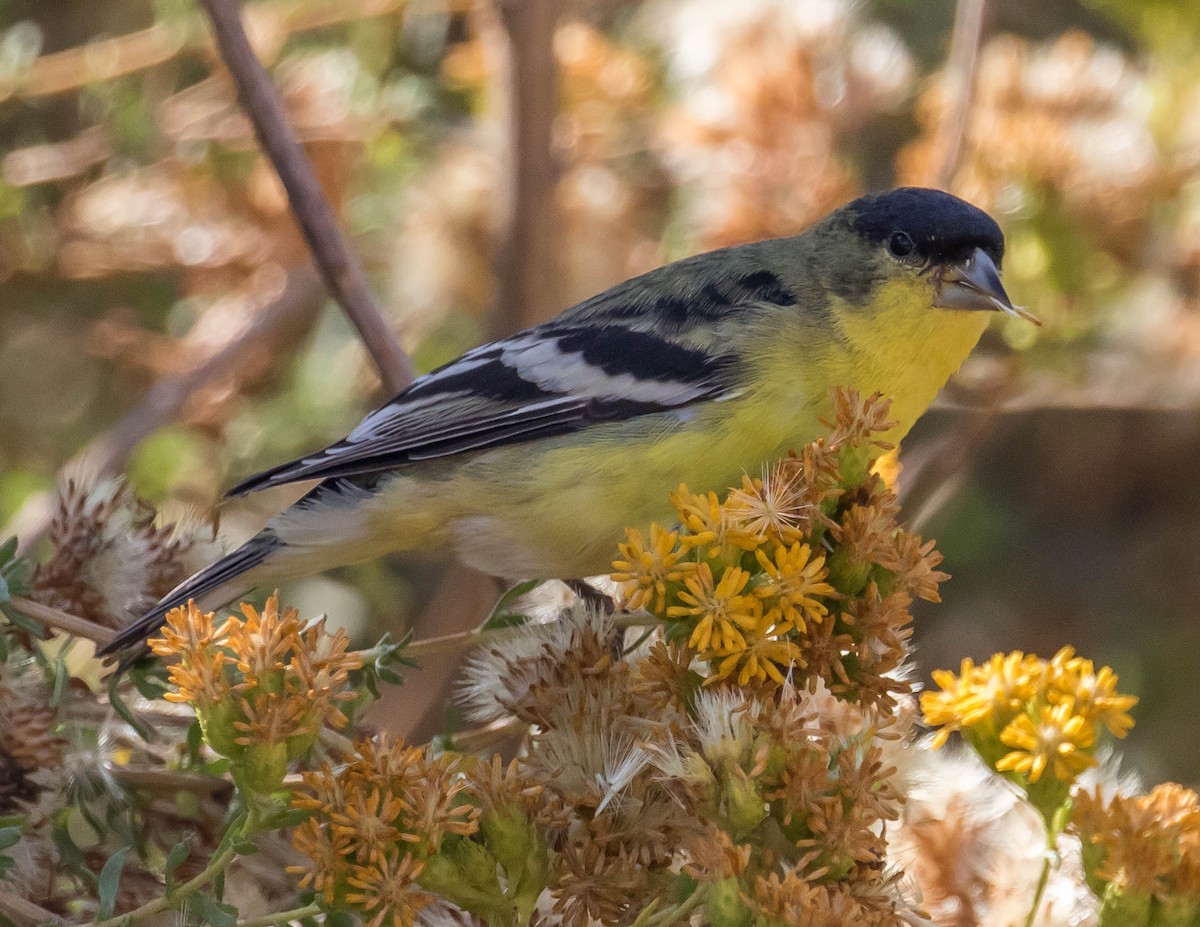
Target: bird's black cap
[(942, 227)]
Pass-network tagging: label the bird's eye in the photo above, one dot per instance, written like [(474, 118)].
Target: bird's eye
[(900, 244)]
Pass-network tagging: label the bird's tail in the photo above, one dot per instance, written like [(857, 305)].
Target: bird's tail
[(213, 586)]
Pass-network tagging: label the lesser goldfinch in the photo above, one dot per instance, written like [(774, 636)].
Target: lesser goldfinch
[(530, 455)]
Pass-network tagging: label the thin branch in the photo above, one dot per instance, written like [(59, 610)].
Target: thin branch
[(106, 59), (339, 269), (24, 913), (283, 917), (961, 65), (62, 621), (108, 452), (170, 900), (478, 637), (168, 780), (526, 228)]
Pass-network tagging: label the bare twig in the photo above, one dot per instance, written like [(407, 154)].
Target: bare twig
[(526, 230), (339, 269), (168, 780), (24, 913), (62, 621), (108, 452), (961, 66)]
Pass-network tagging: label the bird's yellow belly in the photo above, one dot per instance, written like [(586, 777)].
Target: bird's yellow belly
[(567, 518)]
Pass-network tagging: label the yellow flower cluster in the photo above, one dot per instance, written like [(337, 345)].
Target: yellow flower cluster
[(1029, 717), (375, 825), (803, 571), (261, 685), (1142, 852)]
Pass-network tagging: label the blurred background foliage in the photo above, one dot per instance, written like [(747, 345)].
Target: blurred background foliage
[(142, 234)]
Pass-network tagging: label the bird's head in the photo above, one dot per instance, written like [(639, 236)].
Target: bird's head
[(918, 253)]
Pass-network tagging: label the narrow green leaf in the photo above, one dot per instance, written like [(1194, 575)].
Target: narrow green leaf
[(9, 836), (214, 913), (8, 550), (110, 881), (125, 712), (24, 622), (181, 851), (501, 616)]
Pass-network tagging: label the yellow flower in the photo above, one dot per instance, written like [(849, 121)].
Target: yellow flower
[(707, 524), (796, 580), (646, 570), (701, 517), (383, 891), (761, 658), (1143, 843), (991, 692), (721, 608), (1059, 740), (264, 640), (773, 508), (1094, 694), (198, 676)]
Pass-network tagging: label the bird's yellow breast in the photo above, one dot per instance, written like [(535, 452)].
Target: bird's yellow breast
[(563, 513)]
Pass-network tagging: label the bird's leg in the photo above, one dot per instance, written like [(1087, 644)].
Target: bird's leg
[(590, 595)]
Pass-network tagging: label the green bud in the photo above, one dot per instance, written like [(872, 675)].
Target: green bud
[(263, 767), (854, 464), (1127, 909), (847, 575), (464, 872), (744, 806), (216, 723), (517, 845), (725, 907)]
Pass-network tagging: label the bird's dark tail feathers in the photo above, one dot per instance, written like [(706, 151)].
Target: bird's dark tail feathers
[(200, 586)]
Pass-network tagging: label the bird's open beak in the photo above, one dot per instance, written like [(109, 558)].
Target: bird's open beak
[(974, 284)]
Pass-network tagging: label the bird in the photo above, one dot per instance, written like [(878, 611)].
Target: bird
[(531, 455)]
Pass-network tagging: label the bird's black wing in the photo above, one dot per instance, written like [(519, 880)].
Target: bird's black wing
[(531, 386), (656, 343)]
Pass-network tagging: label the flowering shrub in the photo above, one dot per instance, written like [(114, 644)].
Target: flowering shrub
[(732, 743)]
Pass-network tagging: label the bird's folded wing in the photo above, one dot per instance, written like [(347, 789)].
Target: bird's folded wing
[(551, 380)]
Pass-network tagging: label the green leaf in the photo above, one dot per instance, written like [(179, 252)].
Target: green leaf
[(181, 851), (340, 919), (23, 622), (125, 712), (110, 881), (62, 676), (213, 912), (150, 681), (9, 836), (195, 743), (245, 847), (8, 550), (18, 574), (5, 594), (500, 615), (290, 818)]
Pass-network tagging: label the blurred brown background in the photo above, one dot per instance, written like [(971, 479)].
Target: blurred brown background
[(155, 310)]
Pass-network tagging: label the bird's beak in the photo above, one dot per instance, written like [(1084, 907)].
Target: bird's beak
[(974, 284)]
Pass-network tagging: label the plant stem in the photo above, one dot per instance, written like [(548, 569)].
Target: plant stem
[(24, 913), (283, 917), (62, 621), (170, 900), (1044, 878), (476, 637), (677, 912), (338, 266)]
